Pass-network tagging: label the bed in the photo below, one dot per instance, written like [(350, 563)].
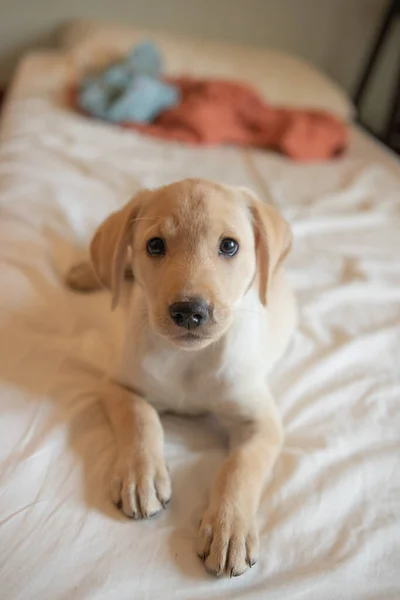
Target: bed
[(329, 515)]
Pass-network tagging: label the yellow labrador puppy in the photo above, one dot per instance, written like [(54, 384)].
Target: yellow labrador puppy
[(210, 313)]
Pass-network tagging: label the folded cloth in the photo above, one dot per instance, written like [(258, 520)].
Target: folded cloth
[(226, 112), (129, 90)]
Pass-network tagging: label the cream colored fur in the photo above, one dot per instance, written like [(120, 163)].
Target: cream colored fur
[(222, 371)]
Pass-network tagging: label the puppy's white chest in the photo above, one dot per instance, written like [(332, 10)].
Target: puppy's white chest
[(195, 382), (218, 378), (169, 378), (173, 381)]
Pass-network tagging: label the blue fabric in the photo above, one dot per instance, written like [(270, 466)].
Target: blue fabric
[(129, 90)]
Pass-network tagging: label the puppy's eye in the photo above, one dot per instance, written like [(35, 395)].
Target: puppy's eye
[(155, 247), (228, 247)]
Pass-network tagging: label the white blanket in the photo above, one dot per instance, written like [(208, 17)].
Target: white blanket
[(329, 516)]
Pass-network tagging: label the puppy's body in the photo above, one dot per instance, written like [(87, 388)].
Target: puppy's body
[(209, 315)]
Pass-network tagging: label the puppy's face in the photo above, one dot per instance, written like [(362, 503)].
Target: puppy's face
[(196, 248), (193, 254)]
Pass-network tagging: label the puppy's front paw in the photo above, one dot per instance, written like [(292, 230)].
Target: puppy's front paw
[(141, 487), (227, 541)]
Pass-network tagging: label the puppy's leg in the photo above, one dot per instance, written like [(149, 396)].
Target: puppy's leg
[(228, 536), (141, 485), (81, 277)]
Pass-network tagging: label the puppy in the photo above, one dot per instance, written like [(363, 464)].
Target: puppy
[(209, 315)]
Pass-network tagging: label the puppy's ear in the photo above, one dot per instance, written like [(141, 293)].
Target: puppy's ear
[(273, 240), (109, 246)]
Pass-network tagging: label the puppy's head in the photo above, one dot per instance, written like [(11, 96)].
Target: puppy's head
[(196, 248)]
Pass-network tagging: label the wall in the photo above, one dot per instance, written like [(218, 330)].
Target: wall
[(333, 34)]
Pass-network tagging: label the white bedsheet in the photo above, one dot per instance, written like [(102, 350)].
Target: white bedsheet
[(329, 517)]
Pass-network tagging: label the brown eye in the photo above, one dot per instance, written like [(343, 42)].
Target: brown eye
[(155, 247), (228, 247)]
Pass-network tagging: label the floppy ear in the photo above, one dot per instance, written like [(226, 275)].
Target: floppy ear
[(109, 246), (273, 241)]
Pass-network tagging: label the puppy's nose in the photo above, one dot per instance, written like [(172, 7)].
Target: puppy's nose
[(189, 315)]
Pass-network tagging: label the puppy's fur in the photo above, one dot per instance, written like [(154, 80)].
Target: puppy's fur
[(220, 368)]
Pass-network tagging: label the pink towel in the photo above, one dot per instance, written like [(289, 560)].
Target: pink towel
[(225, 112)]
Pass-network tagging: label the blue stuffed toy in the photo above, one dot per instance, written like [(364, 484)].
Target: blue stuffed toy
[(131, 90)]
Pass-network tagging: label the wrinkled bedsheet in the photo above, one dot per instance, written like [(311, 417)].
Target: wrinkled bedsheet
[(329, 516)]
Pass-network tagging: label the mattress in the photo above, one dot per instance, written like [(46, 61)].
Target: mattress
[(329, 515)]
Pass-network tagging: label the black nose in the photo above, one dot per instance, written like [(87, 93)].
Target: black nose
[(189, 314)]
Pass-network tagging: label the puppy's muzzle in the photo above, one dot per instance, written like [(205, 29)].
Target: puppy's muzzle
[(190, 314)]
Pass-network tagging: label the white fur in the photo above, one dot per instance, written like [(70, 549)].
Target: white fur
[(228, 377)]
